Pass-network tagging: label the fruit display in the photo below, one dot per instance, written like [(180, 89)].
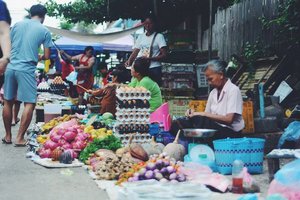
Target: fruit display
[(54, 122), (159, 167), (43, 87), (60, 139), (133, 114)]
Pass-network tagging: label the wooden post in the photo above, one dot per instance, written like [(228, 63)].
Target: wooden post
[(210, 30)]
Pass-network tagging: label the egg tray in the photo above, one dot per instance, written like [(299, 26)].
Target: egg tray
[(124, 129), (133, 104), (137, 138), (43, 90)]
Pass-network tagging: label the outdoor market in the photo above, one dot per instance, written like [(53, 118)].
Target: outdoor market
[(173, 100)]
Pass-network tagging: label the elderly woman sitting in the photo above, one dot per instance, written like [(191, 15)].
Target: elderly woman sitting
[(224, 107)]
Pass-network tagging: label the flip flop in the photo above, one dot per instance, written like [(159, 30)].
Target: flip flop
[(6, 142), (20, 145), (18, 120)]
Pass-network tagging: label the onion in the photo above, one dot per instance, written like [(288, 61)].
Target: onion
[(130, 179), (166, 163), (158, 176), (150, 166), (136, 174), (159, 164), (156, 170), (173, 176), (69, 136), (163, 180), (135, 178), (170, 169), (181, 178), (164, 171), (149, 174), (173, 181)]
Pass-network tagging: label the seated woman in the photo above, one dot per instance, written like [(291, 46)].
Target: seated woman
[(108, 93), (140, 72), (224, 107)]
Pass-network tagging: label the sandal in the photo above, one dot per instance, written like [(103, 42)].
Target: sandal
[(18, 120), (6, 142)]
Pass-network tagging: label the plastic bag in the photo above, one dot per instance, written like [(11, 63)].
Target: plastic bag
[(287, 181), (291, 133), (72, 77)]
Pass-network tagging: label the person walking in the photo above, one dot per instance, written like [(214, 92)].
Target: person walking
[(26, 36), (152, 47), (5, 43)]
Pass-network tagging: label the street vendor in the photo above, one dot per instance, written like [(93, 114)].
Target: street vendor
[(85, 77), (140, 78), (108, 93), (224, 107)]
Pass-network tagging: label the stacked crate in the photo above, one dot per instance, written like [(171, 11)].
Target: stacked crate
[(178, 86)]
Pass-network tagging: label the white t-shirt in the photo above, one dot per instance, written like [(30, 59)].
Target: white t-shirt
[(143, 44), (230, 101)]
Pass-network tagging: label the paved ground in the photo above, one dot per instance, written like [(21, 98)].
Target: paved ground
[(21, 179)]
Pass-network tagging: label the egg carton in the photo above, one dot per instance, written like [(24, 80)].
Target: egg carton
[(137, 138), (133, 116), (133, 104), (124, 129), (132, 95), (132, 109)]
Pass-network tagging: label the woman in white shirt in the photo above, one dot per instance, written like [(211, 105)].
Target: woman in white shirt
[(224, 107), (154, 55)]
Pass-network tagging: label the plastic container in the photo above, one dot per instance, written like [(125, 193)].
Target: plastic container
[(237, 176), (249, 150)]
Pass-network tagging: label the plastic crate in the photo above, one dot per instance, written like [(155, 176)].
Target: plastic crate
[(248, 117), (178, 105), (201, 78), (249, 150), (198, 105)]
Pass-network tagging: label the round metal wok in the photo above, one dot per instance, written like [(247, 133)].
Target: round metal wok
[(199, 133)]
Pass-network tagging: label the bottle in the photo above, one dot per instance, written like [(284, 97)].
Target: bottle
[(237, 176)]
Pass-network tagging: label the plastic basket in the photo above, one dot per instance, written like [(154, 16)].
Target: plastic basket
[(249, 150)]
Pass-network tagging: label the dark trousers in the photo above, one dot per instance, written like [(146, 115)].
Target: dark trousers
[(155, 74), (203, 123)]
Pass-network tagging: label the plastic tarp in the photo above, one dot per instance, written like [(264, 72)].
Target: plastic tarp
[(114, 41)]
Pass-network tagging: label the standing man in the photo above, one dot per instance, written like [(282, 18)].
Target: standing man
[(5, 44), (26, 36)]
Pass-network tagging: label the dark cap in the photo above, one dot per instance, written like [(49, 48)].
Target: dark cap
[(38, 10)]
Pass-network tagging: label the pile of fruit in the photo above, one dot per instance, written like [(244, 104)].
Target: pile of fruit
[(54, 122), (72, 138), (97, 133)]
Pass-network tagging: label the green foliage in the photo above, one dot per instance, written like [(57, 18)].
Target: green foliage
[(287, 23), (110, 142), (66, 25)]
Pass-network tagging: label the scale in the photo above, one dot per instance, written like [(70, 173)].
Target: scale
[(200, 153)]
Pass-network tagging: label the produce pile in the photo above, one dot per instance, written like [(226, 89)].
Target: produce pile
[(69, 135), (54, 122), (159, 167)]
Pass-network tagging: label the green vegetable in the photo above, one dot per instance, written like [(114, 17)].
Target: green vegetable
[(110, 142), (107, 115)]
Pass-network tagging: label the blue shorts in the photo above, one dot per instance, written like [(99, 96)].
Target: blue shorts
[(20, 84)]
